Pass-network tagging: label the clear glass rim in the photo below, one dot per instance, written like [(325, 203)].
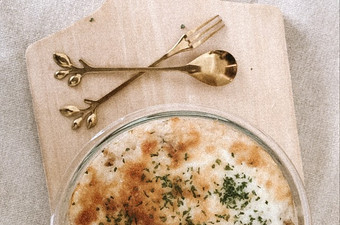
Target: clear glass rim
[(170, 110)]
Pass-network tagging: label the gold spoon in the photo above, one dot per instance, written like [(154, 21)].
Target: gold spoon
[(215, 68)]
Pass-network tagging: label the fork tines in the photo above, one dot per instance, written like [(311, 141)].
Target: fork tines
[(203, 32)]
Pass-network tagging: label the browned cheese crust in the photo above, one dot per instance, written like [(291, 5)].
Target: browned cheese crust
[(182, 171)]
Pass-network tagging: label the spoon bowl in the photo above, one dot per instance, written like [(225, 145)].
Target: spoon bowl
[(216, 68)]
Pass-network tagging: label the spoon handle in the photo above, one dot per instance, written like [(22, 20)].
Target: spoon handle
[(186, 68)]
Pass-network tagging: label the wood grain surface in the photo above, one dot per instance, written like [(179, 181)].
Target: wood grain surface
[(136, 33)]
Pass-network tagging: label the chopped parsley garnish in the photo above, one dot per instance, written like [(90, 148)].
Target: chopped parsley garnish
[(186, 156), (233, 194), (228, 167), (154, 155), (177, 198), (218, 161)]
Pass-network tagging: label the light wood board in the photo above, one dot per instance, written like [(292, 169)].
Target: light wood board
[(136, 33)]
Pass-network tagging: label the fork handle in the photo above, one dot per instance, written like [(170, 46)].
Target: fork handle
[(130, 80)]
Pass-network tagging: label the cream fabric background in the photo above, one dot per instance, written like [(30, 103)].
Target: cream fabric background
[(312, 32)]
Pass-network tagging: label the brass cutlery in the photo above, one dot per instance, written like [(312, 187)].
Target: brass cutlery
[(188, 41)]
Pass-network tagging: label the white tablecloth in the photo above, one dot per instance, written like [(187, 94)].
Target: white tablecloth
[(312, 32)]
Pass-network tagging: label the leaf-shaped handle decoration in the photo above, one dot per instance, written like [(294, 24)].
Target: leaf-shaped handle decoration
[(74, 72), (88, 114), (70, 111), (77, 123), (62, 60), (74, 80), (61, 74), (91, 120)]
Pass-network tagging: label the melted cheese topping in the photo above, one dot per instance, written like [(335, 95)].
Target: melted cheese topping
[(185, 171)]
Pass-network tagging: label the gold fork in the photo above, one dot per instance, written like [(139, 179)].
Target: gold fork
[(188, 41)]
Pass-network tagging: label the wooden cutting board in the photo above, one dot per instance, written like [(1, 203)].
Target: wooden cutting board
[(136, 33)]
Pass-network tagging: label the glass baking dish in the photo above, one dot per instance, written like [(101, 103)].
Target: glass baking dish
[(107, 135)]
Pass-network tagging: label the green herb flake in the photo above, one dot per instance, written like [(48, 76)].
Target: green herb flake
[(154, 154), (228, 167), (141, 202), (186, 156), (193, 189), (186, 211), (163, 218), (108, 219), (218, 161), (233, 194)]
